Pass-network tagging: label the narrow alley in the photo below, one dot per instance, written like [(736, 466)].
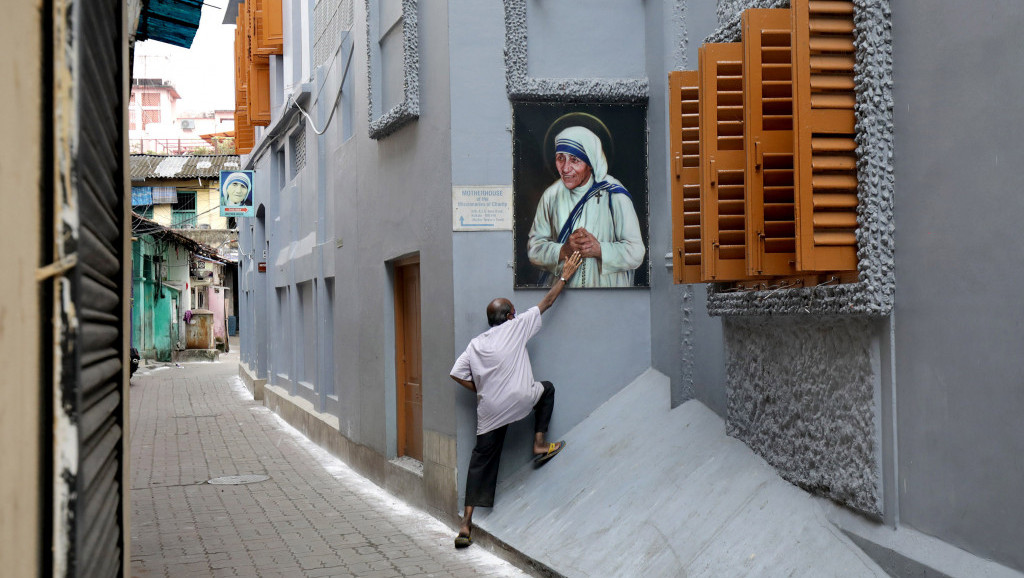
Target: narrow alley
[(311, 516)]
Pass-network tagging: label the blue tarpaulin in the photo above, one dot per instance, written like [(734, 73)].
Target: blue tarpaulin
[(142, 196), (172, 22)]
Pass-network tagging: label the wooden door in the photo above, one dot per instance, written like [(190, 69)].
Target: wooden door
[(408, 358)]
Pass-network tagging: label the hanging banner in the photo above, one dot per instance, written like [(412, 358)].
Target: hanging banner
[(236, 193)]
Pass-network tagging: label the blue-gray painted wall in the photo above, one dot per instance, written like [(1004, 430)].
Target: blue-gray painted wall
[(959, 266), (910, 416)]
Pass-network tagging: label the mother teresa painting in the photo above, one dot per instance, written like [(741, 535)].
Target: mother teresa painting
[(584, 207), (236, 194)]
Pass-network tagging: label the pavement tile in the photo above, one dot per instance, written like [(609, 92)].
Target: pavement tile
[(194, 423)]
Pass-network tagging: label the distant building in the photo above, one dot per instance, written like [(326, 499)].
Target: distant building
[(157, 126)]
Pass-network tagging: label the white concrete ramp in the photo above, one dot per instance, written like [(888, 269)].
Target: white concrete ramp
[(642, 490)]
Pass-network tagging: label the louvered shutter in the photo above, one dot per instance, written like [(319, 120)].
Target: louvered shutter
[(768, 90), (267, 26), (684, 126), (826, 163), (258, 93), (722, 160), (273, 25), (90, 361)]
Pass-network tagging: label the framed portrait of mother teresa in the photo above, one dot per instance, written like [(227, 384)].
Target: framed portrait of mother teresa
[(579, 177)]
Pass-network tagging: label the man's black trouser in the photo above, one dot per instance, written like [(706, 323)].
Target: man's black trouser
[(483, 466)]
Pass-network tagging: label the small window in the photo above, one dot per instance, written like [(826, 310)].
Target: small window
[(776, 175), (183, 212), (297, 148), (394, 65), (776, 196)]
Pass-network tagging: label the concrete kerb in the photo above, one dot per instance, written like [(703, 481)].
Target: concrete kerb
[(252, 383), (501, 549)]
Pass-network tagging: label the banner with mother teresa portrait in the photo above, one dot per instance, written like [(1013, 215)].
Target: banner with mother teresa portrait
[(236, 192), (579, 174)]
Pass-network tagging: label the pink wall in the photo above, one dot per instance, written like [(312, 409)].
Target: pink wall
[(215, 303)]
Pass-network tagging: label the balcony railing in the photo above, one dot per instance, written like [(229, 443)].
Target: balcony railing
[(179, 146)]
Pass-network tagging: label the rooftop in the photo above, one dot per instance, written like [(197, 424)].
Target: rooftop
[(146, 167)]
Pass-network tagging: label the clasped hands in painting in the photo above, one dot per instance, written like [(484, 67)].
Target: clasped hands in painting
[(583, 242)]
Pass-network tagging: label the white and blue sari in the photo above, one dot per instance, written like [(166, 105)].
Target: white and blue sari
[(601, 205)]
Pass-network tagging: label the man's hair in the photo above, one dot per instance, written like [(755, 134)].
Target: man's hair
[(497, 311)]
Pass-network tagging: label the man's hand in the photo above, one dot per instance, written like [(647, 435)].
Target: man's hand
[(570, 266), (587, 244), (465, 383), (567, 271)]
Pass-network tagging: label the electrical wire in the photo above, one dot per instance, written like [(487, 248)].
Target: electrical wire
[(337, 99)]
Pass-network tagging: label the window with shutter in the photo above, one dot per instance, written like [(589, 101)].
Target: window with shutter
[(266, 25), (685, 149), (273, 25), (723, 163), (768, 93), (825, 166), (258, 93), (805, 171)]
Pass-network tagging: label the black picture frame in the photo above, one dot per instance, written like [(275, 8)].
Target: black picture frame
[(623, 132)]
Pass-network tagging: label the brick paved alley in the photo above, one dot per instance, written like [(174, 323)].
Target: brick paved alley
[(312, 517)]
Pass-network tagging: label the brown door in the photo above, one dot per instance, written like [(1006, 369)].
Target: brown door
[(408, 359)]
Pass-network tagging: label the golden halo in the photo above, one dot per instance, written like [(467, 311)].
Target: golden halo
[(587, 121)]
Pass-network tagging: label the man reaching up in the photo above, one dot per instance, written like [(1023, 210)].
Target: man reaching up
[(496, 366)]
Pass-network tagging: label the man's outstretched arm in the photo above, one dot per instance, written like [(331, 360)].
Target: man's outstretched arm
[(571, 264), (464, 383)]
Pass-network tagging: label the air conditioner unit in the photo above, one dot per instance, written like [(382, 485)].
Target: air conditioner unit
[(188, 124)]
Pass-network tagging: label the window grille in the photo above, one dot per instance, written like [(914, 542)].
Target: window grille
[(183, 212), (331, 18), (150, 117), (150, 99), (298, 148)]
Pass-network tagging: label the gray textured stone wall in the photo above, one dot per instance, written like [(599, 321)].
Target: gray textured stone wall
[(801, 394), (800, 365)]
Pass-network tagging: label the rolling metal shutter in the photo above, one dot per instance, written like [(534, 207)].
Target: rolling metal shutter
[(90, 443)]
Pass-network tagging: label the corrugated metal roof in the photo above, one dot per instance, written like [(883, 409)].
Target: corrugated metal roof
[(145, 167)]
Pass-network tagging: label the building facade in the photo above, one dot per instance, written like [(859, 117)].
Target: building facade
[(892, 394), (156, 126)]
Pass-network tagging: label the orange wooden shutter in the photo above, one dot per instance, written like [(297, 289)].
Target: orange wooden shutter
[(244, 134), (684, 126), (768, 93), (722, 160), (826, 162), (273, 25), (259, 93)]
